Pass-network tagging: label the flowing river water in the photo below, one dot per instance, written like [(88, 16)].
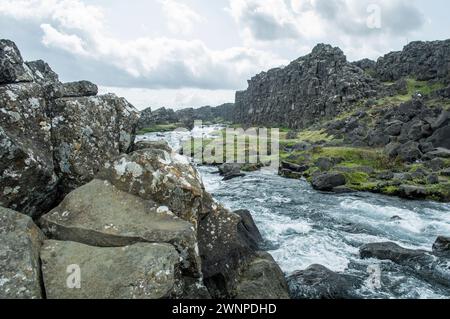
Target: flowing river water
[(302, 227)]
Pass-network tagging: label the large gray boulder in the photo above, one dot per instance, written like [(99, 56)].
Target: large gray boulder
[(155, 174), (78, 89), (27, 178), (328, 181), (262, 279), (20, 241), (12, 67), (87, 132), (140, 271), (99, 214)]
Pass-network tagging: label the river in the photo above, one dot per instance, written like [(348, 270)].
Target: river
[(302, 227)]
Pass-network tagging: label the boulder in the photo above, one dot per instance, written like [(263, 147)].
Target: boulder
[(12, 67), (435, 164), (318, 282), (328, 181), (438, 152), (441, 247), (79, 89), (43, 73), (224, 248), (98, 214), (249, 229), (166, 178), (27, 178), (230, 171), (392, 149), (324, 164), (140, 271), (412, 191), (441, 137), (409, 152), (87, 132), (423, 264), (294, 167), (20, 276), (262, 279), (394, 128)]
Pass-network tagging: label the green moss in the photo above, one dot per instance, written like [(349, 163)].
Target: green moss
[(314, 136), (356, 178), (159, 128)]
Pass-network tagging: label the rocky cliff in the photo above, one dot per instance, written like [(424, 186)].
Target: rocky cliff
[(130, 220), (323, 84), (186, 117), (319, 85)]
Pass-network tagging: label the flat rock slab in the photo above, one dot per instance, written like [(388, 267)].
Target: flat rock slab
[(20, 241), (76, 271), (99, 214)]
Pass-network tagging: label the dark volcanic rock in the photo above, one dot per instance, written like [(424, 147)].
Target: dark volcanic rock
[(249, 229), (230, 171), (262, 278), (12, 67), (442, 246), (422, 60), (318, 282), (87, 132), (409, 152), (429, 267), (79, 89), (21, 240), (326, 182), (319, 85), (27, 181)]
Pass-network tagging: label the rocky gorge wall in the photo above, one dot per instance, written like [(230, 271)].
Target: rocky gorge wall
[(75, 190), (323, 84)]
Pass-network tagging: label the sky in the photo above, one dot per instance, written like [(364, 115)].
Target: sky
[(191, 53)]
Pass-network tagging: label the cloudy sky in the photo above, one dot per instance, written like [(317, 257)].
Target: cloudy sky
[(180, 53)]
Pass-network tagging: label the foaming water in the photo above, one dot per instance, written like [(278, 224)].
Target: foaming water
[(302, 227)]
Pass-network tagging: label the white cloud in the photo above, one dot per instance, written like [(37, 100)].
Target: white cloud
[(161, 62), (180, 18)]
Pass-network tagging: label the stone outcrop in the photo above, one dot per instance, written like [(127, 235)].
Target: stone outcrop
[(12, 67), (147, 271), (21, 240), (319, 85), (318, 282), (54, 136), (431, 268), (421, 60)]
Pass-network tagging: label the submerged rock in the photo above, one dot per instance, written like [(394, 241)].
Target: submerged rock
[(140, 271), (318, 282), (21, 240), (230, 171), (442, 246), (27, 181)]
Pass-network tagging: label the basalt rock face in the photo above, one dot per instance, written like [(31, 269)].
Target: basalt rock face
[(87, 132), (319, 85), (187, 116), (421, 60), (54, 136)]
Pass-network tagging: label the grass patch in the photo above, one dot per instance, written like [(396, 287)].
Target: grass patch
[(314, 136), (158, 128)]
